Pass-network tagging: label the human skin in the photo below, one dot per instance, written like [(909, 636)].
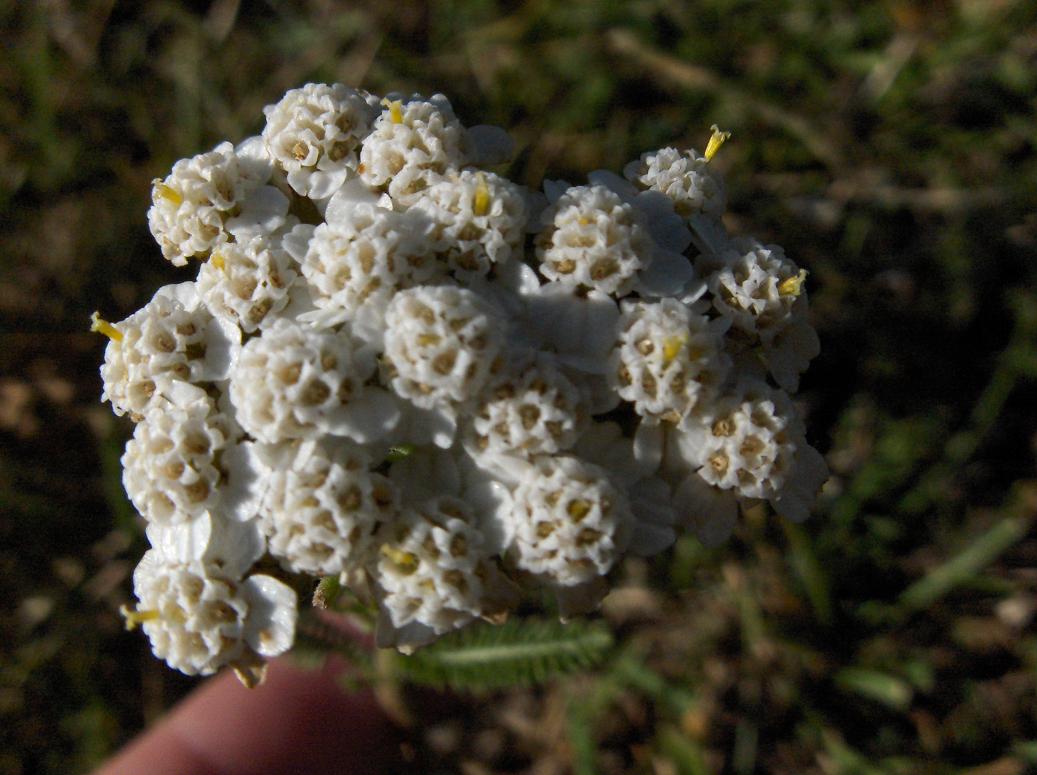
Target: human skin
[(296, 721)]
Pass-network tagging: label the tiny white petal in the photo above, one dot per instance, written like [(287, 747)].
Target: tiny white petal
[(654, 517), (708, 512), (667, 275), (270, 626)]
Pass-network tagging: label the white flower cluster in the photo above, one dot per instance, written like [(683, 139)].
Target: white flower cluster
[(401, 369)]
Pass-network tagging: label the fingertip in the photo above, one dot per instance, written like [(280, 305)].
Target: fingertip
[(296, 721)]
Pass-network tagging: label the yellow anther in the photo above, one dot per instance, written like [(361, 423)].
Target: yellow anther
[(672, 347), (216, 259), (100, 325), (793, 286), (395, 110), (578, 508), (428, 340), (583, 220), (481, 201), (136, 618), (167, 192), (716, 140), (405, 561)]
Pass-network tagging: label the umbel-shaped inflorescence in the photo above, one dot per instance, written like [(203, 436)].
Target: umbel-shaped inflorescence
[(400, 369)]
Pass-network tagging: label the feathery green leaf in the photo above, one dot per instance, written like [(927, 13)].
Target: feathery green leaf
[(519, 652)]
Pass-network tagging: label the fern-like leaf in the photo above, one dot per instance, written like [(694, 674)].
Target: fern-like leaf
[(520, 652)]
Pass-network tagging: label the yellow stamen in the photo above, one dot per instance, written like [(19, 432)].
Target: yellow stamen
[(168, 192), (395, 110), (716, 140), (100, 325), (793, 286), (481, 201), (135, 618), (672, 347), (217, 260), (405, 561)]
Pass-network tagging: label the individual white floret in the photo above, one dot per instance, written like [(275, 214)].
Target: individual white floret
[(761, 291), (294, 382), (479, 219), (313, 133), (411, 142), (441, 344), (684, 176), (247, 282), (592, 237), (667, 358), (171, 466), (323, 507), (431, 571), (569, 524), (165, 348), (189, 207), (363, 257), (745, 441), (199, 620), (529, 409)]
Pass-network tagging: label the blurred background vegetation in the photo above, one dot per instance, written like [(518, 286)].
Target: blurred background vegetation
[(888, 146)]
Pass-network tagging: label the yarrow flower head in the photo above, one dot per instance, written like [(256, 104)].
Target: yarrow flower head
[(441, 343), (432, 571), (683, 176), (323, 506), (529, 409), (198, 619), (163, 352), (299, 382), (398, 371), (570, 524), (244, 282), (171, 468), (191, 206), (594, 238), (412, 142), (356, 263), (667, 359), (479, 219), (313, 135), (760, 291)]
